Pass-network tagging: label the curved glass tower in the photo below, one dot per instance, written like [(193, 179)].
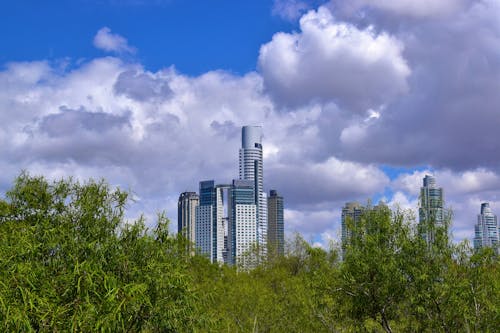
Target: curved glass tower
[(251, 168), (486, 230), (431, 211)]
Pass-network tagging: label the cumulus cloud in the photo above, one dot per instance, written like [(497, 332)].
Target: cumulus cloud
[(358, 94), (318, 184), (110, 42), (333, 61), (68, 121), (159, 133), (165, 131), (290, 9), (421, 8), (458, 183), (356, 132), (142, 86), (449, 116)]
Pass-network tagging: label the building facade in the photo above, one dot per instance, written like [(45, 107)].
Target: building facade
[(210, 228), (242, 228), (351, 213), (486, 231), (275, 223), (251, 169), (431, 211), (186, 215)]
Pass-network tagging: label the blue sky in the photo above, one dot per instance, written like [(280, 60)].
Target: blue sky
[(357, 99), (195, 36)]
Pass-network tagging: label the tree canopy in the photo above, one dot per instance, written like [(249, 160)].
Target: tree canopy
[(70, 261)]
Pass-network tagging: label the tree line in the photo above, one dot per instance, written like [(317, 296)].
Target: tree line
[(70, 261)]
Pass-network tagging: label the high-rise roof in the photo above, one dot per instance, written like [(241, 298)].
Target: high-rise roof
[(251, 137)]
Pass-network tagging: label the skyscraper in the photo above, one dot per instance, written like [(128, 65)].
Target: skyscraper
[(351, 213), (186, 215), (486, 230), (210, 221), (251, 168), (431, 212), (242, 229), (275, 223)]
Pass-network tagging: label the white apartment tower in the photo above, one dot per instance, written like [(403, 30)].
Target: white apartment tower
[(251, 168)]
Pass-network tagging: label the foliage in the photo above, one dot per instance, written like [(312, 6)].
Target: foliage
[(69, 261)]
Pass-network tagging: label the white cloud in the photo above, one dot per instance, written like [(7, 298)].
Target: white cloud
[(420, 8), (356, 132), (290, 9), (333, 61), (458, 183), (318, 184), (403, 201), (159, 133), (449, 116), (110, 42)]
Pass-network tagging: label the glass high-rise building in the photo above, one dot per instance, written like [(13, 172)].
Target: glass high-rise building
[(186, 215), (251, 168), (242, 228), (431, 211), (351, 212), (486, 230), (275, 223), (210, 220), (352, 215)]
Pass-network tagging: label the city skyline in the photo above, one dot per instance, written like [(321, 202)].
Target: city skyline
[(226, 222), (355, 100)]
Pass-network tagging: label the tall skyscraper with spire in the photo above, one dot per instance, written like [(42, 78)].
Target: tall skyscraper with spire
[(431, 211), (486, 230), (251, 168)]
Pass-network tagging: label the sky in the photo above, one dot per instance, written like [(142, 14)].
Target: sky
[(357, 99)]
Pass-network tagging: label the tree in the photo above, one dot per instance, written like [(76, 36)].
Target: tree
[(374, 280), (70, 262)]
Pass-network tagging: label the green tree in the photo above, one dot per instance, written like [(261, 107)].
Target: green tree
[(374, 281), (70, 262)]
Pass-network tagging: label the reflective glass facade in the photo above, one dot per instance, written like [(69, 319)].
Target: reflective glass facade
[(431, 211), (486, 231)]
